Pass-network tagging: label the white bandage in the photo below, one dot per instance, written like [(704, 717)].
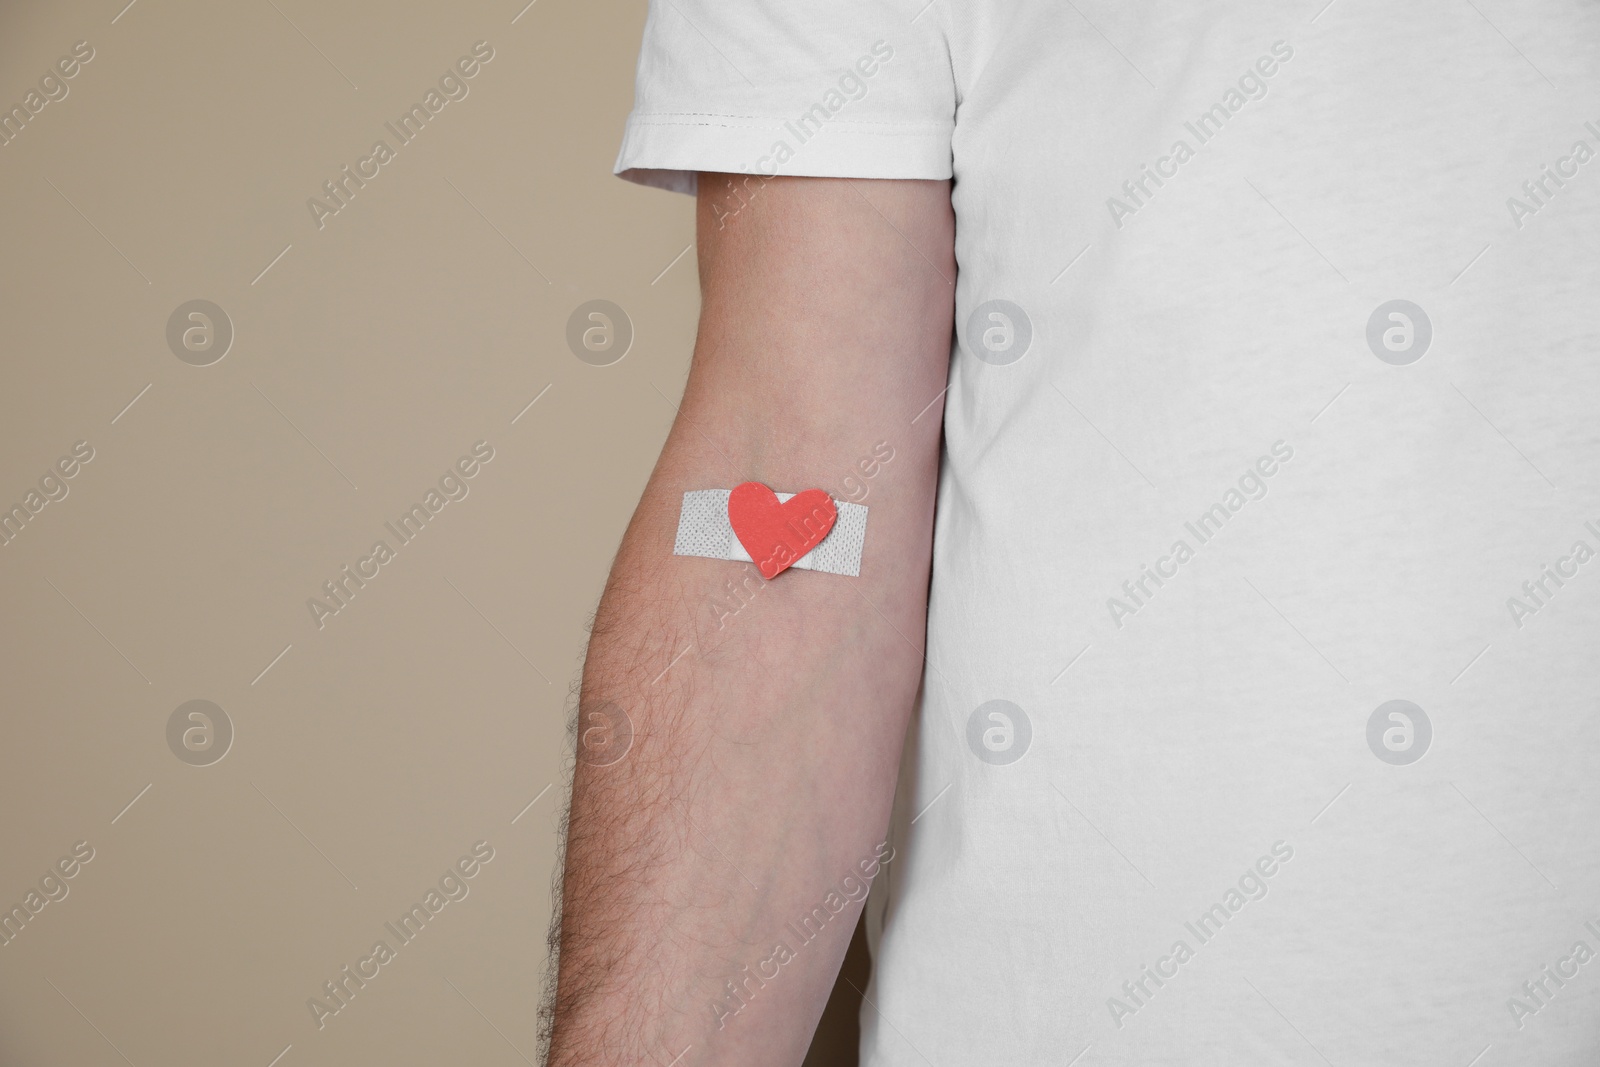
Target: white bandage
[(704, 530)]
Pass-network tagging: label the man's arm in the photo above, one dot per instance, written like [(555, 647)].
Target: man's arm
[(763, 759)]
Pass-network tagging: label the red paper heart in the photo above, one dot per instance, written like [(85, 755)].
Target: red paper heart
[(776, 535)]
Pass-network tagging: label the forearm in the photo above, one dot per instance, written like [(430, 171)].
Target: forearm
[(767, 717)]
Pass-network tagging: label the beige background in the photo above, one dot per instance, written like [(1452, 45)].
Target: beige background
[(370, 754)]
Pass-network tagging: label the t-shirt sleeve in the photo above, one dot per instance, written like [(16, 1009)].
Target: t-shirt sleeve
[(826, 88)]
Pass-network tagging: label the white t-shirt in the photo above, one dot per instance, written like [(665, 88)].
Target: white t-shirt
[(1268, 512)]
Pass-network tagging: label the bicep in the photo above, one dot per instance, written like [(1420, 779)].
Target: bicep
[(826, 314)]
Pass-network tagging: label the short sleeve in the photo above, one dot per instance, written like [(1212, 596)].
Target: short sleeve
[(828, 88)]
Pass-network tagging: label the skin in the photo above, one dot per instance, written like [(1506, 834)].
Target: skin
[(763, 761)]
